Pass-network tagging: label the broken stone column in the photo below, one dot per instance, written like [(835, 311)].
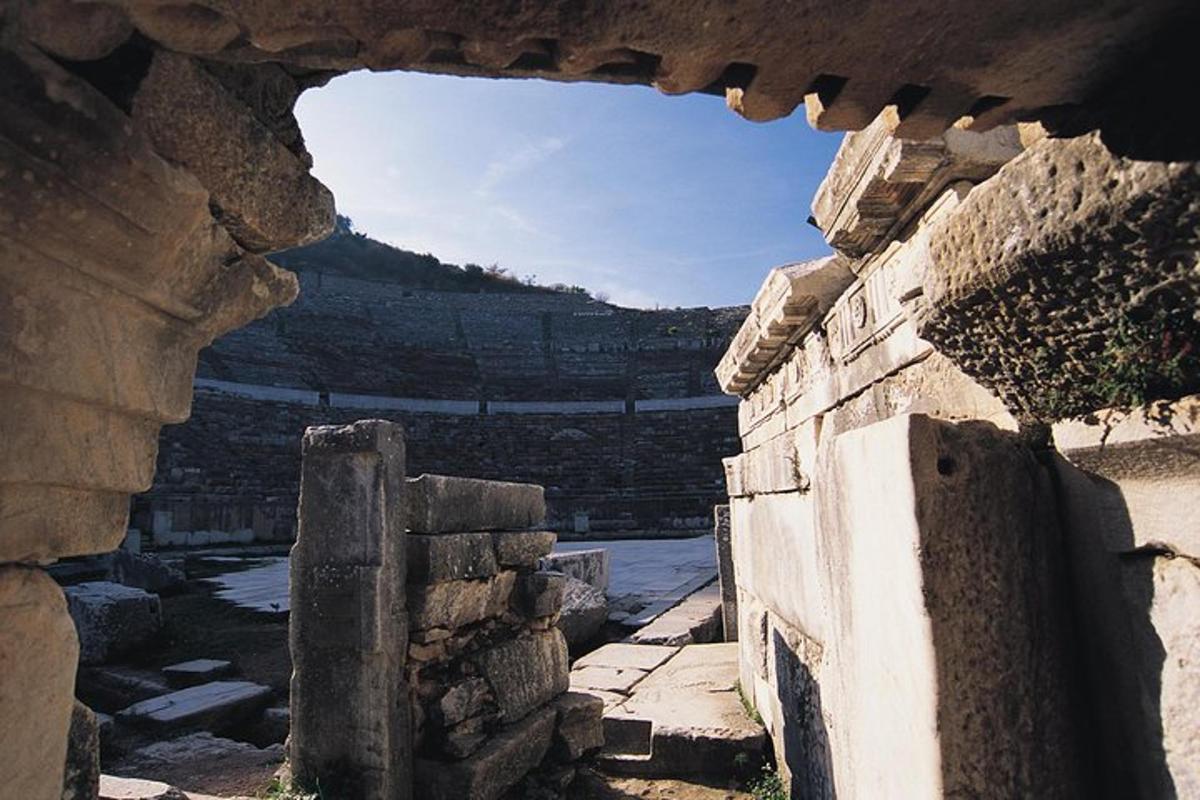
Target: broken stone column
[(349, 632)]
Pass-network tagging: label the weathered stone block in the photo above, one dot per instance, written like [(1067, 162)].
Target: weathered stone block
[(1067, 240), (214, 706), (540, 594), (267, 199), (433, 559), (878, 181), (454, 604), (939, 553), (462, 701), (491, 771), (81, 778), (526, 673), (38, 654), (111, 618), (590, 566), (196, 671), (522, 548), (584, 612), (442, 504), (580, 725), (350, 725)]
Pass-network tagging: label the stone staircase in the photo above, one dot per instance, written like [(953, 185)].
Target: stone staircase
[(671, 712)]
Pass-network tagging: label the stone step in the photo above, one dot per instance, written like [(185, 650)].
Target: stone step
[(683, 718), (215, 707), (196, 672), (696, 620)]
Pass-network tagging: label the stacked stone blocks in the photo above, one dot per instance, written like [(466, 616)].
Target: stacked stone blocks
[(487, 665)]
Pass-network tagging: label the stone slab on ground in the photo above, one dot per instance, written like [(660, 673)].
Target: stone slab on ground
[(623, 655), (213, 706), (111, 618), (620, 680), (590, 566), (112, 688), (491, 771), (667, 601), (696, 620), (113, 787), (201, 762), (443, 504), (196, 672), (263, 588)]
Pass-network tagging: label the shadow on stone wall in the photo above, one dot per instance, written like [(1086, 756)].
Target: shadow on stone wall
[(1120, 655), (805, 738)]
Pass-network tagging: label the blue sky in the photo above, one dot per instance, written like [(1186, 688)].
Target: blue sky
[(654, 200)]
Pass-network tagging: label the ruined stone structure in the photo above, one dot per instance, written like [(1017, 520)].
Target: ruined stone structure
[(421, 623), (149, 159), (925, 587), (616, 411), (231, 473)]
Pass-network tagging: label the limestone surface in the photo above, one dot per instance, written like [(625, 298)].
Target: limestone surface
[(453, 604), (38, 654)]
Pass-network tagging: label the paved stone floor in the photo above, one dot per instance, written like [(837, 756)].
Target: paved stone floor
[(653, 568), (650, 569)]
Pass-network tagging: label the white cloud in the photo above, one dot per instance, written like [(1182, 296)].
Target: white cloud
[(516, 162)]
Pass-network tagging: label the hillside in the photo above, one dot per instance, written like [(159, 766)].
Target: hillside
[(351, 254)]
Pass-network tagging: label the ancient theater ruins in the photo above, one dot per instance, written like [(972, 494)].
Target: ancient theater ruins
[(921, 520)]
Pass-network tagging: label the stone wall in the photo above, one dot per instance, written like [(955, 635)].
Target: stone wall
[(924, 587), (234, 467)]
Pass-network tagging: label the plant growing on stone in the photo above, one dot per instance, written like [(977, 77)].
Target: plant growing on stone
[(1148, 360), (767, 786), (280, 790)]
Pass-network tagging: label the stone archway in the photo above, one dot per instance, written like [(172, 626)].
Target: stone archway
[(149, 159)]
